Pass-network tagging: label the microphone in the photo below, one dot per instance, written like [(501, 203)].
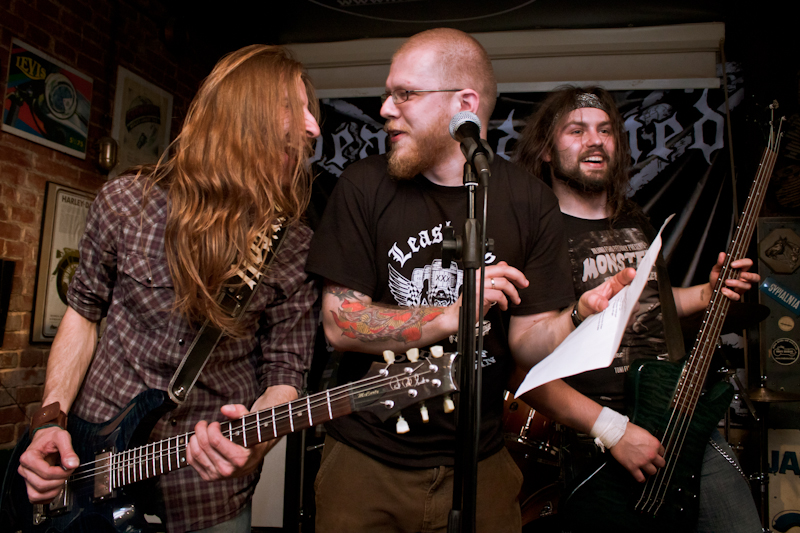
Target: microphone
[(465, 127)]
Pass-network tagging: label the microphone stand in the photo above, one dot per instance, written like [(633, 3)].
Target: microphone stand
[(471, 248)]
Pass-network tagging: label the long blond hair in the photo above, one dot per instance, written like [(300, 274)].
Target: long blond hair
[(228, 180)]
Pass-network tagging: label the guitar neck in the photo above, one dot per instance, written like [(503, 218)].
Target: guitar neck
[(696, 370), (166, 455), (387, 389)]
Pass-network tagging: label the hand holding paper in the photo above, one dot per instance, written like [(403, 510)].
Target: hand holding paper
[(593, 344)]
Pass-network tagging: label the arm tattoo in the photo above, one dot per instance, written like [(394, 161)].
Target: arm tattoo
[(376, 323)]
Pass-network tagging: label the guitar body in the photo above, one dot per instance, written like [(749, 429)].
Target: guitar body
[(605, 498), (83, 513)]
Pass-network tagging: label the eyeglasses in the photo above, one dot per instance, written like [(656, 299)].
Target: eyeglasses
[(401, 95)]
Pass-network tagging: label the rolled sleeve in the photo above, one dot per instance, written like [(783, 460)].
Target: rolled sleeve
[(92, 285), (290, 324)]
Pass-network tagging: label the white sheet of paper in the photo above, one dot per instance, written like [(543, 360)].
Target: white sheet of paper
[(593, 344)]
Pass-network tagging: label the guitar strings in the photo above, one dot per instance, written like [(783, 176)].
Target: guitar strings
[(738, 250), (703, 339), (316, 400), (335, 394), (677, 436), (696, 371), (180, 447)]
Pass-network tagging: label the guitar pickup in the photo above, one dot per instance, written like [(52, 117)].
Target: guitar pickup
[(102, 478)]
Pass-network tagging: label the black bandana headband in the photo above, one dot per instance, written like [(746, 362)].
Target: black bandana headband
[(584, 100), (588, 100)]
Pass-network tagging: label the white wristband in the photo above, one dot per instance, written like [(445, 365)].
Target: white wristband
[(609, 428)]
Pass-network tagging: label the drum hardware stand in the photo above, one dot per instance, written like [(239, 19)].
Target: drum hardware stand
[(760, 418), (763, 396)]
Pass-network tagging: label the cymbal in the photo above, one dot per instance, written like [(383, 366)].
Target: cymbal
[(763, 394), (740, 315)]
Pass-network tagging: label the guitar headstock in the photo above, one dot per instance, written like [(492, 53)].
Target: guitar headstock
[(403, 381), (774, 140)]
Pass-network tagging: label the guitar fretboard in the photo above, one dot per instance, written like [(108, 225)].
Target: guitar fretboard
[(386, 390), (694, 372), (161, 457)]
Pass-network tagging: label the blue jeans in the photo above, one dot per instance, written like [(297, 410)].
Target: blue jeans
[(726, 503)]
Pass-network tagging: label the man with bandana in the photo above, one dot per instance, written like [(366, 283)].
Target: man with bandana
[(378, 246), (576, 143)]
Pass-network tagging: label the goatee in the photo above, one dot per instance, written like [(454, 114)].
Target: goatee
[(578, 180), (420, 152)]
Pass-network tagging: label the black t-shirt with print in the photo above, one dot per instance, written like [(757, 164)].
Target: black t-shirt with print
[(598, 251), (382, 237)]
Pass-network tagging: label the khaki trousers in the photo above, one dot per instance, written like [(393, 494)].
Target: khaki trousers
[(358, 494)]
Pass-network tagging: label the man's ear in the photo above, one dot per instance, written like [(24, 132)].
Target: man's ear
[(546, 157), (468, 100)]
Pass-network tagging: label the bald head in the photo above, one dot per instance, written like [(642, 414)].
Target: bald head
[(462, 63)]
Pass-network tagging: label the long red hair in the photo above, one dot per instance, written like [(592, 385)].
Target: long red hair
[(228, 180)]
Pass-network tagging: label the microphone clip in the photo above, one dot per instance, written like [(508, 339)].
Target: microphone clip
[(469, 147)]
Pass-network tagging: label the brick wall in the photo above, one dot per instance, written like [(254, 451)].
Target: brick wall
[(92, 36)]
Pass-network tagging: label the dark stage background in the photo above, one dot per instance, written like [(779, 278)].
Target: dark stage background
[(680, 159)]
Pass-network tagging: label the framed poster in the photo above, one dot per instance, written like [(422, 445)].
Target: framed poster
[(46, 101), (63, 224), (142, 119)]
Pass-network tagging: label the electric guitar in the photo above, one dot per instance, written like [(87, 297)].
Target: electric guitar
[(105, 494), (667, 399)]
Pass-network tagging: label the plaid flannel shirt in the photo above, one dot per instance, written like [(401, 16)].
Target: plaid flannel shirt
[(123, 274)]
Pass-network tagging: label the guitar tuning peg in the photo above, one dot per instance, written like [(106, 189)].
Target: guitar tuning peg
[(437, 351), (449, 406), (388, 356), (413, 355), (402, 425), (423, 411)]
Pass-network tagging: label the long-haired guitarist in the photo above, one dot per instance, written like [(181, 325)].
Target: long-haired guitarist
[(160, 244), (576, 142)]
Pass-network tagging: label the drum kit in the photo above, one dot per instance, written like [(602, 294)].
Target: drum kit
[(534, 440)]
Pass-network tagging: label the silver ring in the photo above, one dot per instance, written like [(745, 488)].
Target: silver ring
[(492, 280)]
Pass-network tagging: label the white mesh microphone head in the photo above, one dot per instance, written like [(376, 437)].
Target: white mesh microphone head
[(460, 118)]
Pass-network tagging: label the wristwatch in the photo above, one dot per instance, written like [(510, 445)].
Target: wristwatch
[(48, 416), (576, 316)]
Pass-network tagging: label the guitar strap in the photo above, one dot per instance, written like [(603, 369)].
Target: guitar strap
[(233, 301), (669, 313)]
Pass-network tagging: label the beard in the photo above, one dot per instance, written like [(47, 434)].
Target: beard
[(577, 179), (421, 150)]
